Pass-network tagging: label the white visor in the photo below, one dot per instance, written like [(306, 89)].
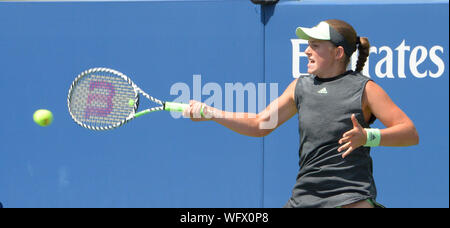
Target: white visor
[(320, 32), (323, 31)]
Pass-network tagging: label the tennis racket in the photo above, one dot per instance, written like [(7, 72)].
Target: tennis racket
[(103, 99)]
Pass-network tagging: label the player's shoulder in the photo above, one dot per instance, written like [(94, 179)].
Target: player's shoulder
[(359, 76), (373, 89), (305, 77)]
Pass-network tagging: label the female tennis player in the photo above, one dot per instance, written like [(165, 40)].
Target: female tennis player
[(335, 108)]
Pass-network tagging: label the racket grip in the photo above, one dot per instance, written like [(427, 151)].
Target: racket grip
[(175, 107)]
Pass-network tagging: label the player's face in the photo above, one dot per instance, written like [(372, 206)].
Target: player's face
[(321, 57)]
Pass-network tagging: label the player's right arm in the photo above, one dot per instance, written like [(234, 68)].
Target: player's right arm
[(250, 124)]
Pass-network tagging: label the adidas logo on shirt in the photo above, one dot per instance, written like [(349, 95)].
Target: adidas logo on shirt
[(323, 91)]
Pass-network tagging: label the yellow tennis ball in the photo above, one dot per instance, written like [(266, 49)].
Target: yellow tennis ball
[(43, 117)]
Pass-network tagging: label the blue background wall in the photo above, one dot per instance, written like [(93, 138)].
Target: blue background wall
[(159, 161)]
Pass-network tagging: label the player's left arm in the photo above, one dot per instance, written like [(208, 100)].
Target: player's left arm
[(400, 130)]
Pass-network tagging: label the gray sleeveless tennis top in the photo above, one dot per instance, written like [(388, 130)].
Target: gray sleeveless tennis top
[(324, 109)]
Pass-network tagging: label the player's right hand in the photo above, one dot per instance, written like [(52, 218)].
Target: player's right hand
[(195, 111)]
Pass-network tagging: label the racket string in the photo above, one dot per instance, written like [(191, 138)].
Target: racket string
[(100, 100), (103, 99)]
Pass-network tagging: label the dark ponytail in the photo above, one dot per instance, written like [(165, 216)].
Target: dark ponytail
[(363, 49)]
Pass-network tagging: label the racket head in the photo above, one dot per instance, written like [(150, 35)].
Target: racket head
[(102, 99)]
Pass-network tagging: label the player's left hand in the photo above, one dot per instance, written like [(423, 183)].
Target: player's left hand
[(352, 139)]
